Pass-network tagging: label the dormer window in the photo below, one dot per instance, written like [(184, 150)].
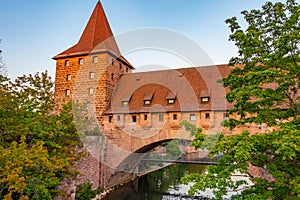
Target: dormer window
[(147, 102), (148, 99), (205, 96), (171, 97), (204, 99), (171, 101), (125, 103), (125, 100)]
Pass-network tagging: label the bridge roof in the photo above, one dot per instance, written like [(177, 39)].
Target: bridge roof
[(187, 86)]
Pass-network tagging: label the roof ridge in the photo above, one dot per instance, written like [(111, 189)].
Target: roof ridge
[(176, 69)]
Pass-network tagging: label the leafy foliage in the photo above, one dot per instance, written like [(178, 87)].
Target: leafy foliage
[(84, 191), (264, 88), (200, 141), (172, 148), (38, 148)]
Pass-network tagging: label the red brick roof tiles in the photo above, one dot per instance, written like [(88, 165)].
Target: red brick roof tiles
[(187, 84), (97, 36)]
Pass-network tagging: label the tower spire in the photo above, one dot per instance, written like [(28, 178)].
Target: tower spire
[(96, 35)]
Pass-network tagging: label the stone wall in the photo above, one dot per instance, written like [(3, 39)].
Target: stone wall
[(90, 80)]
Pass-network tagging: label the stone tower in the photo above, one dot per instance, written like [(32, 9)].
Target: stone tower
[(89, 70)]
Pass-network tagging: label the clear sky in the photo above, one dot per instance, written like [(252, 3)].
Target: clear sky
[(33, 31)]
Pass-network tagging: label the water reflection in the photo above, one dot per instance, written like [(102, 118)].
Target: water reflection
[(162, 184)]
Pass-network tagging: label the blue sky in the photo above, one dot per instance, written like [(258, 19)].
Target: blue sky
[(34, 31)]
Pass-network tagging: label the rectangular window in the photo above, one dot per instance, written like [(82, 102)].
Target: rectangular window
[(207, 116), (110, 119), (204, 99), (112, 61), (145, 117), (226, 116), (68, 92), (171, 101), (92, 75), (80, 61), (133, 118), (118, 118), (120, 66), (174, 116), (67, 63), (91, 90), (95, 59), (192, 117), (161, 118), (124, 103), (147, 102), (68, 77)]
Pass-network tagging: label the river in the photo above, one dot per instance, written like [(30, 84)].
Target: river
[(163, 184)]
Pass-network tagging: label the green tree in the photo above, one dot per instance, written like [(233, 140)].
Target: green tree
[(264, 88), (38, 148), (84, 191), (172, 148)]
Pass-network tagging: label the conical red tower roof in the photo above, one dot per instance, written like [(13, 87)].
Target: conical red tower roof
[(97, 35)]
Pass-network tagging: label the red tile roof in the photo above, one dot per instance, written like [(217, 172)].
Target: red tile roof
[(97, 36), (186, 85)]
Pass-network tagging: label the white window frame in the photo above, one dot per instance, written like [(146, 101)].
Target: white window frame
[(67, 63), (192, 117), (69, 77), (80, 61), (91, 91), (95, 59), (92, 75), (68, 92)]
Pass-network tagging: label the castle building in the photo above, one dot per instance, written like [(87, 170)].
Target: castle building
[(95, 67), (94, 62), (136, 110)]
